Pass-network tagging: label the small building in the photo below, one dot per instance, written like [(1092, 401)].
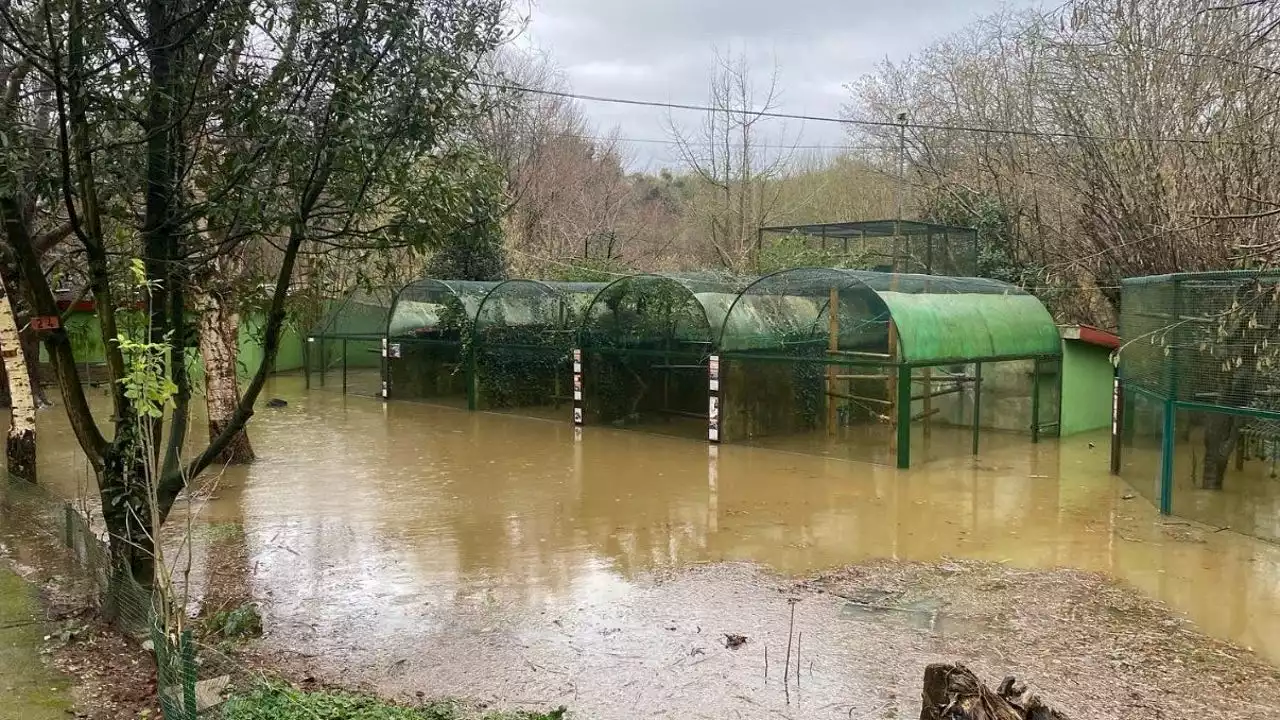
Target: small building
[(1088, 374)]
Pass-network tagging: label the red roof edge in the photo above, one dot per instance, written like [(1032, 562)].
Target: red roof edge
[(1091, 335)]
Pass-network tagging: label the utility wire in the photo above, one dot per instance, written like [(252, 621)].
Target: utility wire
[(879, 124)]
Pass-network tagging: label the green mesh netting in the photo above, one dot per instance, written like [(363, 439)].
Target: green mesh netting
[(428, 334), (523, 334), (362, 314), (646, 341)]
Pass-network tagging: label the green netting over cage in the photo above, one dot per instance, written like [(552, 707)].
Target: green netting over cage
[(898, 347), (428, 333), (1205, 349), (646, 341), (344, 350), (523, 333), (903, 246)]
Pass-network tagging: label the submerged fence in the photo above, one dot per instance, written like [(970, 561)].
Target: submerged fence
[(190, 676)]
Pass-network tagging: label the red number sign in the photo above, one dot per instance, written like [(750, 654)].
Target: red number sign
[(43, 323)]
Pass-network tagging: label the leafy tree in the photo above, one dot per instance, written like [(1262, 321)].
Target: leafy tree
[(189, 130)]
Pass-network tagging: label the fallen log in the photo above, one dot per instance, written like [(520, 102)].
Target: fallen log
[(953, 692)]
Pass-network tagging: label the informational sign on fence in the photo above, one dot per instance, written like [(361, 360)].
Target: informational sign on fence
[(713, 399), (577, 386)]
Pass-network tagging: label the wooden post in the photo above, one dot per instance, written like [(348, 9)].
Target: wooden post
[(833, 345)]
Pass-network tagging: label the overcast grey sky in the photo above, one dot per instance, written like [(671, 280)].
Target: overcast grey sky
[(661, 50)]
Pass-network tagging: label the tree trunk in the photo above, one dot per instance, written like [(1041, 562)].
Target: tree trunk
[(20, 445), (953, 692), (13, 288), (126, 513), (1221, 433), (219, 345)]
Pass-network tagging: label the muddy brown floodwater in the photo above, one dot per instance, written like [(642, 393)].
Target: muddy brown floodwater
[(427, 548)]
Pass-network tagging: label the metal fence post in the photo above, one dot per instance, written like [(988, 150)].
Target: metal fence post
[(1166, 459), (1035, 400), (904, 416), (977, 406)]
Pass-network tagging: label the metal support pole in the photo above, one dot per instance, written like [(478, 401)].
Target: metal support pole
[(1166, 460), (344, 366), (324, 361), (833, 344), (904, 416), (1035, 400), (306, 363), (473, 380), (977, 406)]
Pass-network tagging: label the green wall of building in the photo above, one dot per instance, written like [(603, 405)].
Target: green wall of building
[(1087, 376), (86, 341)]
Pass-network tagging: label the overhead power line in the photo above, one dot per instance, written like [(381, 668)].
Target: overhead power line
[(880, 124), (698, 143)]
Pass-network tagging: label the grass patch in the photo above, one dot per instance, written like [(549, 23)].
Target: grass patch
[(221, 532), (234, 625), (277, 701)]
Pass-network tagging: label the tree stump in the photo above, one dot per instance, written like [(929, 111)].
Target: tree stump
[(953, 692)]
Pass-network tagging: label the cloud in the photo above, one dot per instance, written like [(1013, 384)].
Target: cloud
[(661, 50)]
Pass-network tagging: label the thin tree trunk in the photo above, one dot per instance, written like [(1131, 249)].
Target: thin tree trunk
[(1221, 433), (20, 445), (219, 345)]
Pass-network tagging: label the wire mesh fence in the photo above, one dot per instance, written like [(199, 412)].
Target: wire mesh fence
[(192, 677), (1205, 349), (344, 351)]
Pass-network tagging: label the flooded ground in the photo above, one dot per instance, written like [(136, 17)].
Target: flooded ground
[(425, 548)]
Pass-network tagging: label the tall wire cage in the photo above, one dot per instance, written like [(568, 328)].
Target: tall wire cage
[(884, 367), (428, 341), (1198, 431), (523, 336), (901, 246)]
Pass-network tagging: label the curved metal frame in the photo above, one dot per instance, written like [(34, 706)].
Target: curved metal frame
[(586, 316), (539, 283), (448, 285)]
